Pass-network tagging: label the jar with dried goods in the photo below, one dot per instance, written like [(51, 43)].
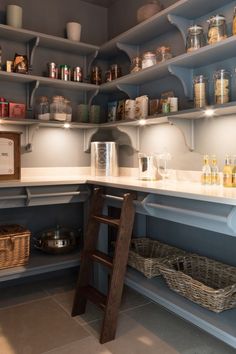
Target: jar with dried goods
[(149, 59), (58, 109), (42, 108), (136, 65), (200, 91), (222, 80), (217, 29), (163, 53)]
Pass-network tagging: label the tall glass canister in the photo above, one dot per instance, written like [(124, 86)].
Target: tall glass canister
[(222, 80), (200, 91)]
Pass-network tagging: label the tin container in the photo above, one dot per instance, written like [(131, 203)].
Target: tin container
[(104, 159), (78, 74), (65, 72), (52, 71)]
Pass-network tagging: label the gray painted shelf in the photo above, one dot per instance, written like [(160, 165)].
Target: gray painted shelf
[(40, 263), (47, 41), (220, 325), (159, 23)]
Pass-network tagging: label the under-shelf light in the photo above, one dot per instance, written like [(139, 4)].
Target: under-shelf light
[(66, 125), (209, 112), (142, 122)]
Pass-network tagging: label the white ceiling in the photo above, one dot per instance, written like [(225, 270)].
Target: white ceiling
[(104, 3)]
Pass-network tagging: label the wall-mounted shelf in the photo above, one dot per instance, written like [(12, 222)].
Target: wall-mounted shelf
[(222, 326), (159, 23), (47, 41)]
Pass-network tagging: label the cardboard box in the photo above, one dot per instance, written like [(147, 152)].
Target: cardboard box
[(17, 110)]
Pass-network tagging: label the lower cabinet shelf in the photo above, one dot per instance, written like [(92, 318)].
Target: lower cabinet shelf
[(40, 263), (220, 325)]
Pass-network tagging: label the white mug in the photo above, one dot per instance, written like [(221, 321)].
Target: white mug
[(14, 16), (73, 30)]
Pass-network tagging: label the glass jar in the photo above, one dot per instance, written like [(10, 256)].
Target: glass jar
[(217, 29), (68, 110), (108, 76), (42, 109), (136, 65), (234, 23), (195, 38), (96, 75), (115, 72), (58, 109), (149, 59), (200, 91), (163, 53), (222, 86)]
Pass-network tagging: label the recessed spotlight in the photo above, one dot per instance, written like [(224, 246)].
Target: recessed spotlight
[(66, 125), (209, 112), (142, 122)]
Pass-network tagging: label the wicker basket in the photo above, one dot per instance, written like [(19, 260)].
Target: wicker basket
[(206, 282), (14, 246), (145, 255)]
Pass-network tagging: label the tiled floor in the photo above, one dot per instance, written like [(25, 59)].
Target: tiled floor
[(35, 319)]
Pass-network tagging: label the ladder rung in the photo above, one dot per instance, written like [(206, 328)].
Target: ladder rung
[(95, 296), (102, 258), (104, 219)]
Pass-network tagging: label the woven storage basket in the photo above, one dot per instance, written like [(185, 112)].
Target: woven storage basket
[(206, 282), (145, 255), (14, 246)]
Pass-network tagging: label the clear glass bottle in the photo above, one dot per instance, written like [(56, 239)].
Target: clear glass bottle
[(217, 29), (68, 110), (215, 176), (200, 91), (148, 59), (58, 109), (206, 171), (136, 65), (42, 109), (234, 172), (228, 172), (163, 53), (234, 23), (195, 38), (222, 80)]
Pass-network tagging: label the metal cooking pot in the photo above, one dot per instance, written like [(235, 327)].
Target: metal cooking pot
[(57, 240)]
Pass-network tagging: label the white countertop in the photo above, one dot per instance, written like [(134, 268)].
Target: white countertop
[(181, 188)]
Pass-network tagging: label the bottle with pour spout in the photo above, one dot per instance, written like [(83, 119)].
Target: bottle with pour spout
[(206, 171)]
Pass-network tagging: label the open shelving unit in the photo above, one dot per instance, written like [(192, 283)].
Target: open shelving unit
[(220, 325), (40, 263)]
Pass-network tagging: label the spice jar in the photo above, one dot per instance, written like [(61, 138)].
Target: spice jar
[(195, 38), (115, 72), (136, 65), (58, 109), (234, 23), (200, 91), (65, 72), (96, 75), (149, 59), (222, 86), (42, 109), (217, 29), (3, 108), (162, 54)]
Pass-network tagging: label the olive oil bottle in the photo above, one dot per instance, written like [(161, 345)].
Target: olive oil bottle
[(234, 172), (206, 171), (228, 172), (215, 176)]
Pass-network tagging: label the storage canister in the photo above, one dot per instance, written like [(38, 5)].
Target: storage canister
[(217, 29), (200, 91), (149, 59), (104, 158), (195, 38), (222, 86)]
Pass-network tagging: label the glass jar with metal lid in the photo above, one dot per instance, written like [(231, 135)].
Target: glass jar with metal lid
[(42, 108), (163, 53), (222, 80), (217, 29), (195, 38), (58, 108), (136, 65), (148, 59), (200, 91)]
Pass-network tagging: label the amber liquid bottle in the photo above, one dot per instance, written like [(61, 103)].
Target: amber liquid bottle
[(215, 176), (228, 172), (234, 172), (206, 171)]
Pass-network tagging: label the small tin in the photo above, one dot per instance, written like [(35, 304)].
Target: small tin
[(65, 72), (77, 74), (52, 71)]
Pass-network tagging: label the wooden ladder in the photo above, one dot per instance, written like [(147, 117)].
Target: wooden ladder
[(84, 291)]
